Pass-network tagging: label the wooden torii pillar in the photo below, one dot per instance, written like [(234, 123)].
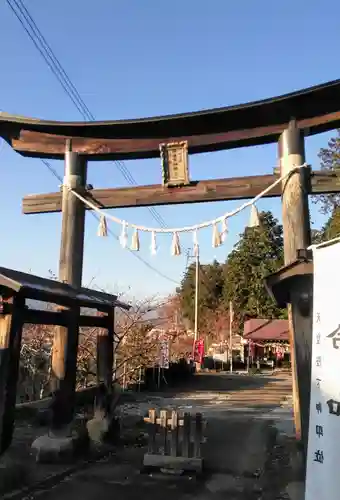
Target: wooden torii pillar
[(65, 345), (293, 284), (296, 228)]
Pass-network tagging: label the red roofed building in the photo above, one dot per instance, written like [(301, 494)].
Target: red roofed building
[(267, 338), (266, 329)]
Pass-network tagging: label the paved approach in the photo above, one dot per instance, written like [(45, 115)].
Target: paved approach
[(239, 411)]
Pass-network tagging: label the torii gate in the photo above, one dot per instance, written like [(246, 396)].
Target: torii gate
[(285, 119)]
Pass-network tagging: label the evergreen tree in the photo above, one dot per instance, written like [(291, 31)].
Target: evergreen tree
[(332, 227), (258, 253), (330, 203), (330, 160), (210, 291)]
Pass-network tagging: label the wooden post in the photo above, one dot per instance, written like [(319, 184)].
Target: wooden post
[(174, 433), (124, 376), (105, 354), (159, 376), (296, 234), (302, 315), (10, 343), (104, 400), (164, 430), (198, 435), (65, 345), (231, 314), (248, 356), (115, 347), (152, 431), (186, 435)]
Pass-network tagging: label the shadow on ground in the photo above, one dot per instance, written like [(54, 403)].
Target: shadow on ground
[(240, 434), (223, 382)]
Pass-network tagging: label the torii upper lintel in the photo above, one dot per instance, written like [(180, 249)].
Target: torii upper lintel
[(315, 109)]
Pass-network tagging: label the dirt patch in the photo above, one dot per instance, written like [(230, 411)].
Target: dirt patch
[(283, 466)]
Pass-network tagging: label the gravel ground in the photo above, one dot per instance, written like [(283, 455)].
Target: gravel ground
[(243, 453)]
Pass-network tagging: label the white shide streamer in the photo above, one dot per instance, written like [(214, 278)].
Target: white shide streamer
[(218, 237)]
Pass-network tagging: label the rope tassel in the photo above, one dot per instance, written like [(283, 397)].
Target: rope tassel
[(124, 236), (135, 241), (175, 247), (224, 231), (153, 243), (254, 217), (102, 228), (216, 237)]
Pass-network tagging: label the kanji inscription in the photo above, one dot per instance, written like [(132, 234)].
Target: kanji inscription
[(175, 165), (318, 456), (335, 336), (334, 407)]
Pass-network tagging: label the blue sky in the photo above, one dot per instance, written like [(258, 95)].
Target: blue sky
[(143, 58)]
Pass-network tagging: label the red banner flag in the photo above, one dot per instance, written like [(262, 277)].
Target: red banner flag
[(198, 350)]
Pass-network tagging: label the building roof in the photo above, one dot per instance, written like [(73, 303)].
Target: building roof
[(34, 287), (266, 329)]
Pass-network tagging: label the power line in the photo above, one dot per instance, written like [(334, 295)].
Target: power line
[(54, 64), (46, 55), (63, 78)]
